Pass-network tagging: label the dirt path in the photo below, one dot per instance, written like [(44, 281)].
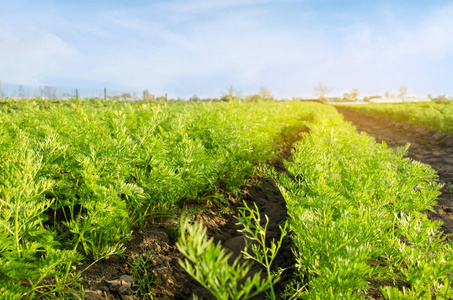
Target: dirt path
[(426, 146)]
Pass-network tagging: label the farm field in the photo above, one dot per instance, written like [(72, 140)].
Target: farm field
[(92, 195), (78, 177), (435, 115)]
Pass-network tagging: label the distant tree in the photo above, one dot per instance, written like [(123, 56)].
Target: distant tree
[(194, 98), (255, 98), (352, 96), (147, 95), (231, 94), (402, 91), (232, 91), (441, 98), (346, 97), (430, 96), (266, 94), (126, 96), (387, 95), (375, 97), (355, 94), (321, 90)]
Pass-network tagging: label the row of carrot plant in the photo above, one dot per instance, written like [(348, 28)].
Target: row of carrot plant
[(355, 218), (77, 176), (355, 213), (436, 115)]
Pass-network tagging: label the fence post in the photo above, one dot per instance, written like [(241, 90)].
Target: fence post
[(0, 89), (166, 98), (105, 93), (144, 95), (77, 94)]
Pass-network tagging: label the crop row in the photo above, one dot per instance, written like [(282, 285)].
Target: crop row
[(76, 176), (355, 214), (436, 115)]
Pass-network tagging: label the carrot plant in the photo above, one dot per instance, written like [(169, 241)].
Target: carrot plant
[(255, 242), (354, 209), (436, 115), (78, 176), (27, 250), (208, 263)]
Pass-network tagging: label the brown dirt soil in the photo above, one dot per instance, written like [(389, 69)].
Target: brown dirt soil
[(426, 146), (111, 278)]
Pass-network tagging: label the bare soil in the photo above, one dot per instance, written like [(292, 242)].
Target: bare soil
[(426, 146)]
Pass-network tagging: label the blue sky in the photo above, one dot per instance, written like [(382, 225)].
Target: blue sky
[(204, 46)]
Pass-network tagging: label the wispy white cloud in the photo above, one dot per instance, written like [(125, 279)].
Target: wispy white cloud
[(30, 54), (203, 6), (365, 56), (200, 46), (249, 53), (433, 36)]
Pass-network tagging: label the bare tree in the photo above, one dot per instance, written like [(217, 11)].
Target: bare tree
[(266, 93), (352, 96), (231, 91), (321, 90), (355, 94), (402, 91), (232, 94)]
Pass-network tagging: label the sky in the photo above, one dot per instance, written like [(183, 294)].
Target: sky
[(203, 47)]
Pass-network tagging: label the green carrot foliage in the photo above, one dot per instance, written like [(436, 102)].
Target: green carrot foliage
[(436, 115), (354, 209), (76, 177)]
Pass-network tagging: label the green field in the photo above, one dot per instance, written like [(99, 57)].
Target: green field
[(77, 176), (436, 115)]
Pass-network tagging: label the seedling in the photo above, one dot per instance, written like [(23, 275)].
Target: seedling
[(208, 263), (144, 279), (255, 237)]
